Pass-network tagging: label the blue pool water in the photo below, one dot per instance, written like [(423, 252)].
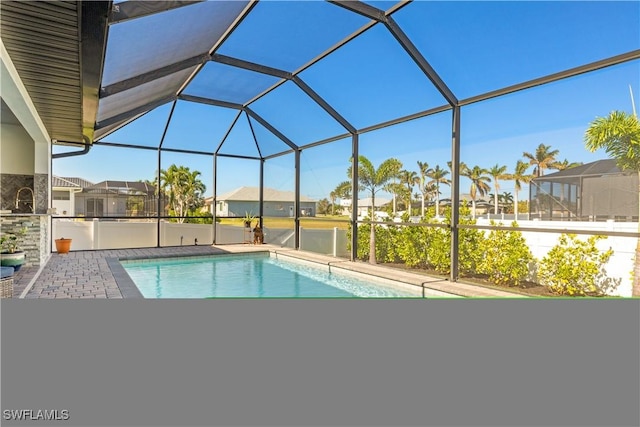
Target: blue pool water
[(253, 276)]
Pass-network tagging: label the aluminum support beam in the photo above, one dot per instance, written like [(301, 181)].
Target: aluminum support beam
[(134, 111), (159, 172), (455, 194), (214, 202), (261, 194), (362, 9), (354, 197), (127, 10), (93, 33), (297, 201), (253, 134), (280, 154), (422, 63), (593, 66), (209, 101), (270, 128), (245, 12), (324, 104), (149, 76), (251, 66), (226, 135), (381, 16)]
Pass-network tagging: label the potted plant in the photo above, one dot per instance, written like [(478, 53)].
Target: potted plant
[(248, 219), (63, 246), (10, 253)]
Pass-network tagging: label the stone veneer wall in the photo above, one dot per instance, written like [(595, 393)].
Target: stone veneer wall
[(34, 243), (9, 186)]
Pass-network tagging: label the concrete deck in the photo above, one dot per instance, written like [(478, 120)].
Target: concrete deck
[(90, 274)]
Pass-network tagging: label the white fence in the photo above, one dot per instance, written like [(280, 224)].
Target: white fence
[(97, 234)]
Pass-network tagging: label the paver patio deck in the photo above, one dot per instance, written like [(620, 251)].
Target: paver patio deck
[(87, 274)]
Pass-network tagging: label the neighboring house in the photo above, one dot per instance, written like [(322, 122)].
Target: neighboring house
[(79, 197), (364, 206), (595, 191), (244, 200), (63, 193)]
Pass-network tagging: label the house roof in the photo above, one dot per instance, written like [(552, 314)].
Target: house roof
[(72, 182), (252, 194), (123, 186), (363, 203), (597, 168)]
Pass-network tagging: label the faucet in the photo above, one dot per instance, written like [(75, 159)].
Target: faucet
[(33, 201)]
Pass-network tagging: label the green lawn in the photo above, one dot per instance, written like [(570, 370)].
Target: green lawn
[(319, 222)]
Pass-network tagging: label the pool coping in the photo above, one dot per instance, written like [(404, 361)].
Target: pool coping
[(431, 287)]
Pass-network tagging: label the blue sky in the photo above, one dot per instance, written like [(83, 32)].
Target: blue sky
[(474, 46)]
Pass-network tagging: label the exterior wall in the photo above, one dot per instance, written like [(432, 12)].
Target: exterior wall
[(17, 150)]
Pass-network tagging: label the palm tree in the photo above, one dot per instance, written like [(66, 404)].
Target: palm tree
[(565, 164), (497, 172), (505, 198), (479, 179), (619, 135), (410, 179), (519, 176), (342, 191), (425, 170), (542, 159), (438, 176), (183, 188), (168, 180), (372, 180)]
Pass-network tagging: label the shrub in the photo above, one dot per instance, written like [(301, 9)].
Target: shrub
[(412, 246), (576, 267), (386, 242), (506, 257)]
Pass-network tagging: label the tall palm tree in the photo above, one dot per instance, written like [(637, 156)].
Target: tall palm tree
[(424, 171), (410, 179), (497, 172), (168, 184), (542, 159), (619, 135), (519, 177), (438, 176), (372, 180), (479, 180)]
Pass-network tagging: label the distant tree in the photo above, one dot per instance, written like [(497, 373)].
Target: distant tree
[(519, 176), (618, 135), (183, 188), (565, 164), (323, 206), (342, 191), (542, 158), (479, 180), (372, 180), (497, 172), (424, 171), (438, 176), (394, 187), (505, 199), (409, 179)]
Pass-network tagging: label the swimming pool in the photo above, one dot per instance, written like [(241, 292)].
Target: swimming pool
[(250, 276)]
